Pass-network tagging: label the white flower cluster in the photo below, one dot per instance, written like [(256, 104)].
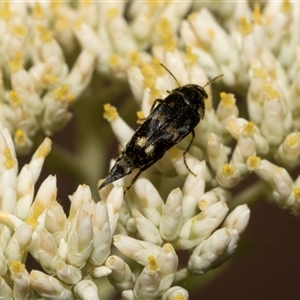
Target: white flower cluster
[(255, 130), (38, 97), (74, 250)]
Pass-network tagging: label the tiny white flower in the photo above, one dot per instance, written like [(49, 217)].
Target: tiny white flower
[(86, 289)]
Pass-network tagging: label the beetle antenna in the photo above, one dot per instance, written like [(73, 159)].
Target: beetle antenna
[(170, 74), (217, 77)]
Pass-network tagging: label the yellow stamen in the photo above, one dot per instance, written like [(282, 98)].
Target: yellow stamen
[(44, 149), (46, 35), (19, 30), (38, 11), (9, 162), (62, 94), (15, 98), (271, 93), (114, 60), (253, 162), (16, 63), (227, 100), (152, 263), (256, 14), (5, 12), (110, 112), (20, 137), (228, 170), (249, 129), (286, 7), (245, 27), (191, 57), (17, 267)]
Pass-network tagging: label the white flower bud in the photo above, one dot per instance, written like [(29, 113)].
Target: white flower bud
[(228, 176), (47, 251), (146, 229), (176, 292), (147, 284), (86, 289), (209, 251), (80, 239), (19, 243), (81, 197), (56, 221), (238, 219), (38, 158), (49, 287), (67, 273), (5, 290), (22, 288), (201, 226), (289, 150), (121, 130), (102, 235), (121, 276), (172, 216), (149, 199), (217, 152), (136, 249), (193, 189), (213, 196)]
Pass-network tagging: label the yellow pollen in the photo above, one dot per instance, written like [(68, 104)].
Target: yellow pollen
[(9, 162), (114, 60), (46, 35), (249, 129), (253, 162), (179, 297), (141, 117), (228, 170), (191, 57), (112, 13), (168, 248), (62, 94), (61, 23), (17, 267), (271, 93), (15, 98), (110, 112), (256, 14), (50, 79), (227, 100), (37, 210), (260, 73), (293, 139), (167, 35), (297, 193), (134, 58), (43, 149), (20, 137), (244, 26), (152, 263), (16, 63), (5, 12), (38, 11), (192, 16), (286, 7), (19, 30)]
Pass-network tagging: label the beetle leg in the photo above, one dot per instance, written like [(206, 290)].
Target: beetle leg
[(155, 102), (185, 152)]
